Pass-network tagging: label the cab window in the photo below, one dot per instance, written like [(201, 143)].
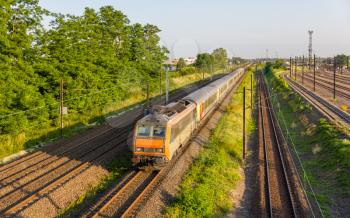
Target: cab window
[(143, 131), (158, 131)]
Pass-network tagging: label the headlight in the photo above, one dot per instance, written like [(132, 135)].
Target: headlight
[(159, 150), (139, 149)]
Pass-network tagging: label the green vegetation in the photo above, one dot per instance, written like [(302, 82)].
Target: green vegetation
[(205, 191), (105, 61), (209, 62), (341, 60), (323, 150)]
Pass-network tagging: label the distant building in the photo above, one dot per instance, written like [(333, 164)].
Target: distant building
[(190, 60), (173, 62)]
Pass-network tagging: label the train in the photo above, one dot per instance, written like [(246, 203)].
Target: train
[(159, 136)]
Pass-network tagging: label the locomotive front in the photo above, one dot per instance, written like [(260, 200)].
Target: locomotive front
[(149, 140)]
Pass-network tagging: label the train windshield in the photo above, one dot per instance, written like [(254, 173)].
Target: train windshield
[(158, 131), (144, 131), (151, 131)]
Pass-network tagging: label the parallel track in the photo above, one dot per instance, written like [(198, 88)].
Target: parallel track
[(339, 79), (340, 91), (329, 110), (279, 197)]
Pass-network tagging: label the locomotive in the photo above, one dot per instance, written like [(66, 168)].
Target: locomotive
[(158, 136)]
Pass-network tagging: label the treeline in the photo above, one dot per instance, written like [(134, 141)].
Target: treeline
[(102, 58), (207, 62), (97, 51)]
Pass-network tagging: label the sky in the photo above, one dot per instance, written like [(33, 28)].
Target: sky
[(248, 29)]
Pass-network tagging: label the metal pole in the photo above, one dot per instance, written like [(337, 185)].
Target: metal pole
[(160, 83), (61, 107), (290, 66), (302, 70), (310, 62), (296, 68), (166, 85), (251, 91), (147, 94), (243, 122), (314, 72), (347, 63), (334, 71)]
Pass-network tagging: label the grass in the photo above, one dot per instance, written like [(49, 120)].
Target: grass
[(323, 149), (205, 191), (77, 122)]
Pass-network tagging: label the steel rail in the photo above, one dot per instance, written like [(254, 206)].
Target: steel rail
[(327, 109), (266, 162), (280, 153), (34, 196), (342, 87), (338, 92)]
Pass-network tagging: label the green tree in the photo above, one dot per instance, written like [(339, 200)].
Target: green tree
[(341, 60), (96, 51), (204, 61), (180, 64), (220, 57), (19, 27)]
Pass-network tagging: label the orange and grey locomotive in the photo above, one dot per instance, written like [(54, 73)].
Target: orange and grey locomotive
[(159, 135)]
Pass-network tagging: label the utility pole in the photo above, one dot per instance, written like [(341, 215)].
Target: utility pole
[(61, 106), (314, 72), (347, 63), (334, 71), (243, 122), (302, 71), (160, 83), (296, 67), (166, 84), (290, 67), (251, 91), (310, 47), (147, 95)]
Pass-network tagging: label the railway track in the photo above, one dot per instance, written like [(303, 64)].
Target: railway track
[(35, 176), (339, 79), (340, 88), (332, 112), (340, 91), (15, 201), (126, 197), (278, 191)]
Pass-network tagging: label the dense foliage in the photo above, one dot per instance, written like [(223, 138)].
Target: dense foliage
[(209, 62), (97, 51), (342, 60)]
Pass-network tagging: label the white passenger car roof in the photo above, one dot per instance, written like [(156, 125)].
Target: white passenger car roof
[(203, 93)]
